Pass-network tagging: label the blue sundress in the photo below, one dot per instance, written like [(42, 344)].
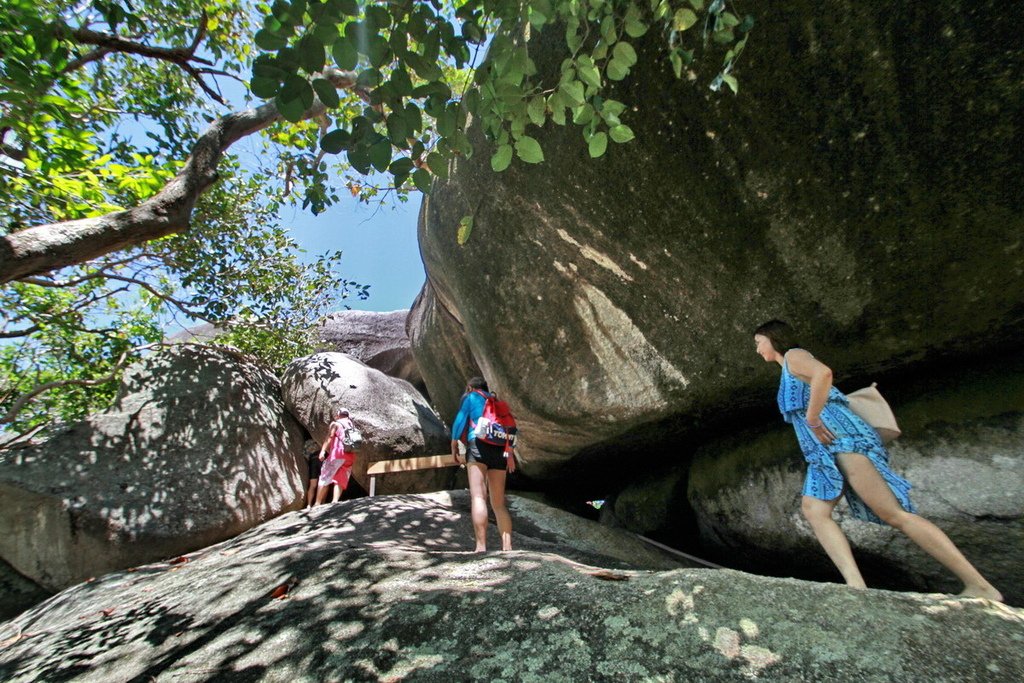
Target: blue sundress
[(824, 480)]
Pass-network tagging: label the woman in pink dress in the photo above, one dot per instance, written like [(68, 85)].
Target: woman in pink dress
[(337, 467)]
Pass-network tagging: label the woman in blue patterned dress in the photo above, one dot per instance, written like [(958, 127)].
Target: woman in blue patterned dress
[(845, 455)]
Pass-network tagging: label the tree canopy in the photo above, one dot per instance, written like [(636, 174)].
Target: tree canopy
[(123, 206)]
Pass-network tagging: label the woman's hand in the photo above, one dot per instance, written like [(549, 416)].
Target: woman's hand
[(822, 433), (322, 456), (510, 460), (455, 452)]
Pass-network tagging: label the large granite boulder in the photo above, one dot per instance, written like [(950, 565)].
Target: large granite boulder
[(863, 185), (963, 451), (197, 448), (377, 339), (442, 352), (376, 589), (395, 420)]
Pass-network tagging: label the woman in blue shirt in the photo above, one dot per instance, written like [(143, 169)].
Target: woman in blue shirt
[(844, 454), (486, 465)]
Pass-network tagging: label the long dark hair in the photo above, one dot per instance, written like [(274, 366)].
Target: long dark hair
[(780, 334), (477, 383)]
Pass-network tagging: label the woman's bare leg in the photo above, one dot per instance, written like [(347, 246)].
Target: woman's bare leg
[(496, 484), (861, 474), (818, 514), (337, 493), (321, 495), (311, 493), (478, 502)]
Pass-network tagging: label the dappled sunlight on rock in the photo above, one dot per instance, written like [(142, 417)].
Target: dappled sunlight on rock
[(197, 447), (386, 588)]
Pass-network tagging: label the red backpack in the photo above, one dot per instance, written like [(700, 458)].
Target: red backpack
[(496, 425)]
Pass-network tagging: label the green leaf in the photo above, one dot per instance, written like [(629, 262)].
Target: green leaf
[(502, 158), (311, 53), (621, 133), (349, 8), (327, 93), (617, 70), (625, 53), (292, 110), (378, 17), (731, 81), (572, 36), (421, 178), (529, 150), (377, 50), (536, 110), (380, 154), (729, 19), (588, 71), (401, 167), (683, 19), (583, 114), (573, 90), (634, 24), (677, 63), (264, 87), (269, 41), (335, 141), (746, 25), (345, 55), (598, 144), (359, 159), (608, 32), (398, 129), (438, 165), (465, 228)]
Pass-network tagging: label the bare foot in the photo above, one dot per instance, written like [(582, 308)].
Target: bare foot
[(987, 591), (480, 549)]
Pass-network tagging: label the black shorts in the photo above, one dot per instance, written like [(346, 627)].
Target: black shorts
[(314, 465), (486, 454)]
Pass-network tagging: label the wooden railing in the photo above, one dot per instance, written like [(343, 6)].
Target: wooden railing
[(423, 462)]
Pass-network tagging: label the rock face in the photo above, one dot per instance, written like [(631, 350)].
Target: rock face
[(377, 339), (377, 589), (862, 185), (394, 418), (17, 593), (439, 343), (962, 449), (197, 447)]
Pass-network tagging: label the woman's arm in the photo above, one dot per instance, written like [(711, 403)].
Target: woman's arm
[(459, 425), (327, 441), (815, 373)]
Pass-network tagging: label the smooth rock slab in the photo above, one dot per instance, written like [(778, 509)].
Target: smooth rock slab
[(377, 339), (394, 418), (382, 589), (197, 448)]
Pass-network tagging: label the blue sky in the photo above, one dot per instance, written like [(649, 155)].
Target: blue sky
[(378, 244)]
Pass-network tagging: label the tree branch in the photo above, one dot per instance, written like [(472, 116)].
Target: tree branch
[(45, 248), (19, 333), (23, 400)]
